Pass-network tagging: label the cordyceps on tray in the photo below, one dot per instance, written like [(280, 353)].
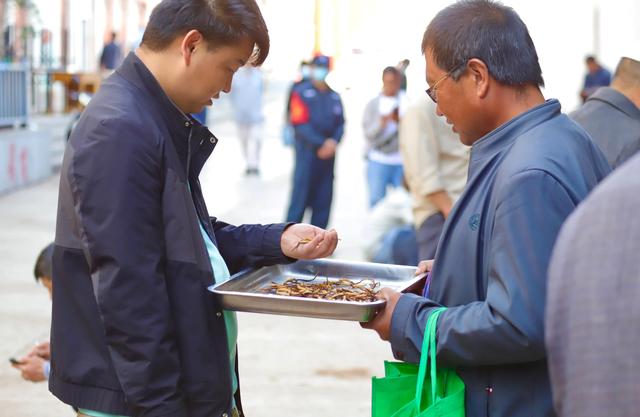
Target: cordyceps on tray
[(341, 289), (245, 290)]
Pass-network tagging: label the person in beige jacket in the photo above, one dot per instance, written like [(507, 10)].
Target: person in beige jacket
[(435, 167)]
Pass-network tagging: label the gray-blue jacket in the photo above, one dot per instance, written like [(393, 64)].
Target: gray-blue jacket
[(525, 178), (613, 122)]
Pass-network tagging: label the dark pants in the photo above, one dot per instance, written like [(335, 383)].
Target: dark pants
[(428, 236), (399, 247), (312, 187)]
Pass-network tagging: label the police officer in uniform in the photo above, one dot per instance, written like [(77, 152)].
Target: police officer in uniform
[(318, 120)]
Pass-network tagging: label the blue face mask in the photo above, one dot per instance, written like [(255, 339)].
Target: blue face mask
[(319, 73), (305, 72)]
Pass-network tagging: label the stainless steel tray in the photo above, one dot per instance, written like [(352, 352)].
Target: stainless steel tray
[(243, 292)]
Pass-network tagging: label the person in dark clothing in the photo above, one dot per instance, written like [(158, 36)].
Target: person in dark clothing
[(288, 134), (305, 75), (530, 166), (134, 330), (318, 120), (596, 77), (111, 54)]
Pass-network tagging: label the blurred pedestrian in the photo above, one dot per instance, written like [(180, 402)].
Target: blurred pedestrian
[(111, 55), (611, 115), (402, 67), (435, 166), (388, 234), (36, 365), (134, 330), (246, 94), (597, 76), (318, 120), (530, 166), (380, 124), (592, 314)]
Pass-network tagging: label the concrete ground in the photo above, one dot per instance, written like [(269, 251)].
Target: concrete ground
[(288, 366)]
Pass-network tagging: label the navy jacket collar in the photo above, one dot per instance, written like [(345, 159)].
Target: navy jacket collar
[(193, 142), (617, 100), (494, 142)]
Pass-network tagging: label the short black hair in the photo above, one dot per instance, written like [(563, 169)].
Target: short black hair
[(590, 58), (221, 23), (391, 70), (43, 266), (488, 31)]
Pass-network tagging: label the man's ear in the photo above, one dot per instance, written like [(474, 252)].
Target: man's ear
[(480, 75), (190, 44)]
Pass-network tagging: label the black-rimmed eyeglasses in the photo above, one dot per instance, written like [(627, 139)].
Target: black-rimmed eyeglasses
[(432, 91)]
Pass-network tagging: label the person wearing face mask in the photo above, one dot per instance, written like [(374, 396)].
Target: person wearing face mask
[(380, 124), (318, 120), (304, 77), (134, 330)]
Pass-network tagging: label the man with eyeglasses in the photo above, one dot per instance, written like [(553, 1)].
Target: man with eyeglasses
[(530, 166)]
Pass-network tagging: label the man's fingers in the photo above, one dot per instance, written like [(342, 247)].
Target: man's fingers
[(424, 266), (330, 243)]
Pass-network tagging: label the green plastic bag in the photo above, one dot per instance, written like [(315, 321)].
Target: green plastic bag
[(407, 391)]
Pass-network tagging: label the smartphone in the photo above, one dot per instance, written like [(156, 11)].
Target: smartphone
[(14, 361)]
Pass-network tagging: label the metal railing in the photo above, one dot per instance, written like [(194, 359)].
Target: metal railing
[(14, 94)]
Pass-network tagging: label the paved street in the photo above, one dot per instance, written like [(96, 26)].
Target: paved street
[(289, 366)]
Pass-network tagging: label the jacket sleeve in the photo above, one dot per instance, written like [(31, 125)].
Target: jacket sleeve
[(508, 326), (420, 151), (301, 121), (117, 188), (250, 244)]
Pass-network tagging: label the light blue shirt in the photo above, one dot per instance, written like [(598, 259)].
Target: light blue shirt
[(221, 274)]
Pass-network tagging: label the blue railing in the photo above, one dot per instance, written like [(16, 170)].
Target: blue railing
[(14, 96)]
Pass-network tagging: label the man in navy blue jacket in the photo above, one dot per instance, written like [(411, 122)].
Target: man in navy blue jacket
[(135, 332)]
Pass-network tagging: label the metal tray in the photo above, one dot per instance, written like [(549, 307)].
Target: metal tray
[(243, 291)]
